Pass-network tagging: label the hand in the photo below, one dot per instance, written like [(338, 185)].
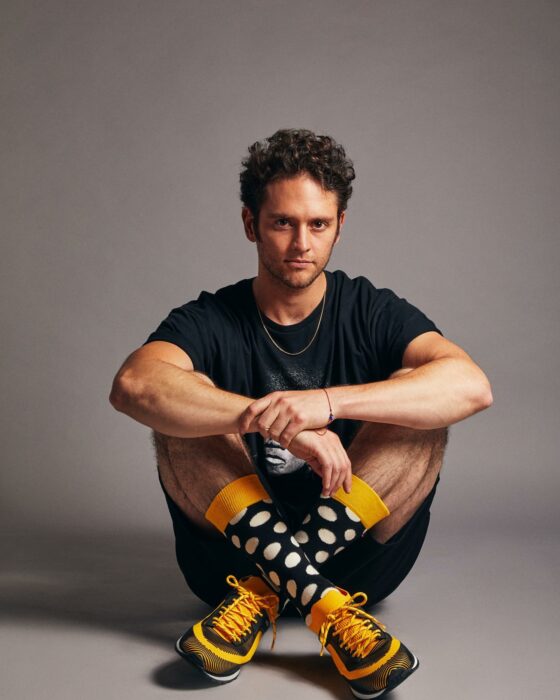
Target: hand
[(327, 457), (281, 415)]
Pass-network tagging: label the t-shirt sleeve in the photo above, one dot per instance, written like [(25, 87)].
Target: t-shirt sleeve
[(394, 323), (192, 327)]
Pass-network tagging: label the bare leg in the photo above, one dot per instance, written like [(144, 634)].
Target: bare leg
[(194, 470), (401, 465)]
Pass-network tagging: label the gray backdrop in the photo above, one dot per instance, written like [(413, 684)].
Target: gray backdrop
[(123, 126)]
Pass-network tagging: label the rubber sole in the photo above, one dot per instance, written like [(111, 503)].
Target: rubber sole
[(195, 661), (402, 677)]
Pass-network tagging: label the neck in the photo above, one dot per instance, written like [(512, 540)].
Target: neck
[(286, 305)]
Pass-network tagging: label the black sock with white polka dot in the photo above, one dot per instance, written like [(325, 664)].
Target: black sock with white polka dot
[(260, 531), (328, 529)]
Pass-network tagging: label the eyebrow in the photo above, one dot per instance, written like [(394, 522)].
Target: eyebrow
[(282, 215)]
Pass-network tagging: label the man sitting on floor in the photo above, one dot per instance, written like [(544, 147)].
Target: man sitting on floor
[(300, 420)]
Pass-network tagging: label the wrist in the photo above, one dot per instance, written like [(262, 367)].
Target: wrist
[(331, 415), (336, 396)]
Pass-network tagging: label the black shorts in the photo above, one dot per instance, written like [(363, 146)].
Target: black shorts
[(366, 565)]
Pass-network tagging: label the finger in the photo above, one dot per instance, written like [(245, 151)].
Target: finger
[(253, 426), (348, 478), (337, 481), (278, 427), (265, 422), (244, 422), (292, 429), (345, 479), (251, 413), (331, 459), (342, 464), (332, 480), (327, 475)]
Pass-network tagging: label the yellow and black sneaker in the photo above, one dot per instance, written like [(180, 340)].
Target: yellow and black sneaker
[(370, 659), (228, 637)]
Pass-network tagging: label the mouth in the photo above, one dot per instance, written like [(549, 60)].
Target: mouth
[(300, 263)]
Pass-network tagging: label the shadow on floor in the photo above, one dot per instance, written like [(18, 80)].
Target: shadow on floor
[(317, 671), (125, 583)]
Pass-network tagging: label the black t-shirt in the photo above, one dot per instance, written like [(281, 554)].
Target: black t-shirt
[(363, 334)]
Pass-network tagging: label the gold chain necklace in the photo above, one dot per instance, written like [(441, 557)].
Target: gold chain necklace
[(299, 352)]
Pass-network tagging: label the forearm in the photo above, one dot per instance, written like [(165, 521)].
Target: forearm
[(176, 402), (434, 395)]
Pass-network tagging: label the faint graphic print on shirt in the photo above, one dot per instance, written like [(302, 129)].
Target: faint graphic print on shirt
[(280, 460)]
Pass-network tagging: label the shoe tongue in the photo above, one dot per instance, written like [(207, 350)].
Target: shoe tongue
[(335, 598), (256, 585)]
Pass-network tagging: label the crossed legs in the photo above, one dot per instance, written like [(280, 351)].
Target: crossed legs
[(400, 464), (212, 480)]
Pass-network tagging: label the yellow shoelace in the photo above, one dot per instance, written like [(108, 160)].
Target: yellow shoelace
[(357, 630), (234, 620)]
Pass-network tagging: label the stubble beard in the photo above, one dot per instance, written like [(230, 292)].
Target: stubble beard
[(286, 279), (293, 282)]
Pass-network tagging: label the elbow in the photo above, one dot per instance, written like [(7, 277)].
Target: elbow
[(488, 398), (476, 390), (483, 398), (117, 396), (122, 393)]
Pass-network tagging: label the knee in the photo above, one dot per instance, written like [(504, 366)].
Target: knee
[(441, 437)]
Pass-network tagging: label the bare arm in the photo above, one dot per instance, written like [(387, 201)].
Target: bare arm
[(158, 387), (442, 387)]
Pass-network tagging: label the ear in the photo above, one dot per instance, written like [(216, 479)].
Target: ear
[(340, 225), (248, 223)]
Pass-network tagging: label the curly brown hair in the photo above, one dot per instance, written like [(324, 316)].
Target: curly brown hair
[(290, 152)]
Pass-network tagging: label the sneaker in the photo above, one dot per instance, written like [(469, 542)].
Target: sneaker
[(370, 659), (228, 637)]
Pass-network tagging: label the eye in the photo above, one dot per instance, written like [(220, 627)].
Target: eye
[(282, 223), (320, 224)]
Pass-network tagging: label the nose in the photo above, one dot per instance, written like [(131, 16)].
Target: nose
[(301, 238)]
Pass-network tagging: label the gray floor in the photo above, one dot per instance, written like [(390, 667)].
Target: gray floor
[(97, 616)]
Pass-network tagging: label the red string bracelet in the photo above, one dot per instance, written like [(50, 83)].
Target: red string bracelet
[(331, 414)]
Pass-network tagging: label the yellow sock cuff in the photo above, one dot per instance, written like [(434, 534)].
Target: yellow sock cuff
[(233, 498), (335, 598), (364, 501), (256, 584)]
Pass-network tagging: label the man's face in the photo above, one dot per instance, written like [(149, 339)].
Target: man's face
[(297, 229)]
